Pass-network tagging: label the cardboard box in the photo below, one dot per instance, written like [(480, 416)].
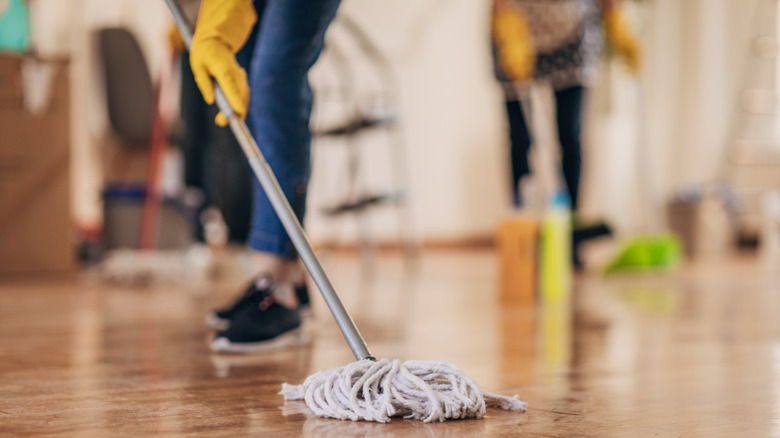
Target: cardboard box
[(35, 220), (517, 239)]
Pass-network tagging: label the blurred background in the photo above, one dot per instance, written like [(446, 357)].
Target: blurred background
[(411, 144)]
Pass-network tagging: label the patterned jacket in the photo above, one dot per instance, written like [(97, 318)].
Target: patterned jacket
[(568, 39)]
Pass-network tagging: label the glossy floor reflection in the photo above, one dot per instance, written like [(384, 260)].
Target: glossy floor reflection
[(689, 353)]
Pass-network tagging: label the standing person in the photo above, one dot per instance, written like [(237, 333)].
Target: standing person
[(213, 162), (559, 42), (277, 42)]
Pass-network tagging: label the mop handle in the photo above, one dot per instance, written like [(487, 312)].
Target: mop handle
[(282, 208)]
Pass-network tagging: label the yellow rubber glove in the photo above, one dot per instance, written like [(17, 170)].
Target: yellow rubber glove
[(622, 38), (514, 43), (222, 29)]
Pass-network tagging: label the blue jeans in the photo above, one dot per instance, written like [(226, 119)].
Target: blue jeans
[(285, 43)]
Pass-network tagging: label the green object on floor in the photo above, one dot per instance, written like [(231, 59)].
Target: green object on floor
[(647, 253)]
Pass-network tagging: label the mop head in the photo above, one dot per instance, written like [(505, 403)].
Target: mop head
[(378, 390)]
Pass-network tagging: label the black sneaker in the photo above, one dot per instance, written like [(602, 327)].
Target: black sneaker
[(220, 319), (260, 324)]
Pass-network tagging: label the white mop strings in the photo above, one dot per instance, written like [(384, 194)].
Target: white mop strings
[(376, 391)]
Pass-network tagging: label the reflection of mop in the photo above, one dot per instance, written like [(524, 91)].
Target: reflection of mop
[(369, 389)]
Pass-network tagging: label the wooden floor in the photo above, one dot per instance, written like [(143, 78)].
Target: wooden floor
[(690, 353)]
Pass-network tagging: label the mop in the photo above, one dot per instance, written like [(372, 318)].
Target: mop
[(654, 249), (369, 389)]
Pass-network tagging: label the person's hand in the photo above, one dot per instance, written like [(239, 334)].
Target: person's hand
[(514, 44), (210, 58), (222, 29), (622, 38)]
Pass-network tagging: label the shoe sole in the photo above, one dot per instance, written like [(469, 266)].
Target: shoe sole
[(290, 339)]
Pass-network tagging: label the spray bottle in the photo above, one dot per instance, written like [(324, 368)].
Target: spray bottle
[(555, 269)]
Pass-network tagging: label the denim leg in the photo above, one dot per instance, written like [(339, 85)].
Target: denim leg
[(283, 48), (520, 142), (568, 104)]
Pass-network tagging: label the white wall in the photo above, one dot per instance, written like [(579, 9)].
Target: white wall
[(672, 122), (452, 112), (700, 59), (680, 116), (67, 27), (451, 115)]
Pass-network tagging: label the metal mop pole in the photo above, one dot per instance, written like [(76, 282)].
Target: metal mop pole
[(282, 208)]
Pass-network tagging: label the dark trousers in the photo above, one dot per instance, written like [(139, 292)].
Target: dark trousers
[(568, 105), (213, 161)]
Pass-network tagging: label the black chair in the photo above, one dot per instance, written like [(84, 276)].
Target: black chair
[(129, 89)]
